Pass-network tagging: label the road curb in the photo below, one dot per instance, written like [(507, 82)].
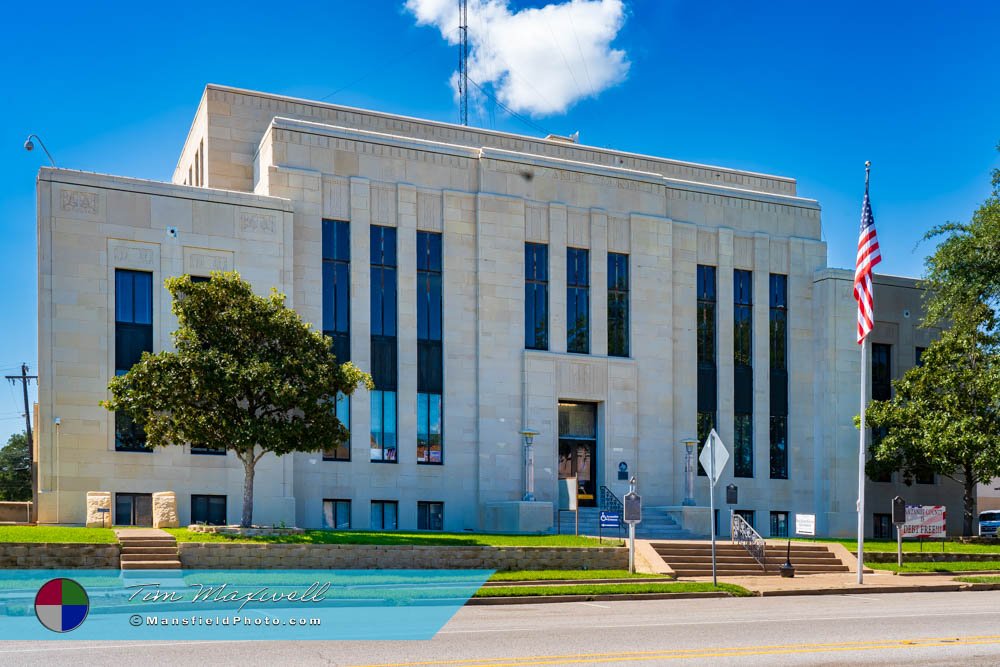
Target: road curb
[(856, 590), (545, 599), (574, 582)]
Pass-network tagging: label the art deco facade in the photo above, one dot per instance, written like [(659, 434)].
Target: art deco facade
[(615, 303)]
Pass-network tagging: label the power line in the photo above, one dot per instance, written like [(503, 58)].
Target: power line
[(508, 109)]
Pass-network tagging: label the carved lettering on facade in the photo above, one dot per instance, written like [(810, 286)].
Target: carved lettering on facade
[(132, 256), (260, 223), (79, 202), (208, 262)]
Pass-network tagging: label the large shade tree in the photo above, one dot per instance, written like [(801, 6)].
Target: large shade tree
[(15, 469), (247, 375), (945, 414)]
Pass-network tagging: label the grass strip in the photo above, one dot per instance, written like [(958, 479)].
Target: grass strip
[(945, 568), (611, 589), (56, 534), (979, 580), (911, 546), (399, 539), (564, 575)]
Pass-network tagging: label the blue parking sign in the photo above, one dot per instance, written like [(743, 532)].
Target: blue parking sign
[(610, 520)]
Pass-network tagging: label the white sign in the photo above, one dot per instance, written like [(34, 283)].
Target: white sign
[(805, 524), (713, 449), (925, 521)]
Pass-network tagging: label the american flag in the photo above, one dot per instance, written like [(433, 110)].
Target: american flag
[(868, 256)]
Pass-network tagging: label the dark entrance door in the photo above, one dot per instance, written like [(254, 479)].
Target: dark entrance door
[(578, 448), (133, 509)]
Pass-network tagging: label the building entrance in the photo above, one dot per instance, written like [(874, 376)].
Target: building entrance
[(578, 448), (133, 509)]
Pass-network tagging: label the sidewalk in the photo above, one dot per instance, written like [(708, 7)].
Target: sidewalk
[(841, 583)]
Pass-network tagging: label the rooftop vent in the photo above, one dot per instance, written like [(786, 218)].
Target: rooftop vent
[(571, 139)]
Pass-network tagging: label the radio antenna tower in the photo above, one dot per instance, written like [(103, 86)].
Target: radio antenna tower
[(463, 59)]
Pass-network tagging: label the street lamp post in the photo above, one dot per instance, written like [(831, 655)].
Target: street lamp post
[(529, 464), (689, 464)]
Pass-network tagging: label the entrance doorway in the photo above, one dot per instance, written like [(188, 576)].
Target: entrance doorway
[(578, 449), (133, 509)]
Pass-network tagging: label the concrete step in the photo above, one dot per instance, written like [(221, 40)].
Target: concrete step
[(151, 565), (171, 549), (148, 557), (148, 543)]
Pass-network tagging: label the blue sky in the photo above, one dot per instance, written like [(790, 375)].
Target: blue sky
[(804, 89)]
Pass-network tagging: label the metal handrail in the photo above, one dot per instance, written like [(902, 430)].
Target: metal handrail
[(745, 535), (608, 501)]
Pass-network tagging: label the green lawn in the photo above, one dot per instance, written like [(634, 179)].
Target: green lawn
[(610, 589), (963, 566), (30, 534), (401, 538), (979, 580), (913, 545), (555, 575)]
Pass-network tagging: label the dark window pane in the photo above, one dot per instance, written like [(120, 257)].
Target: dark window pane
[(779, 524), (143, 294), (779, 447), (123, 296), (618, 305), (430, 516), (881, 372), (430, 370), (706, 422), (336, 514), (536, 296), (743, 446)]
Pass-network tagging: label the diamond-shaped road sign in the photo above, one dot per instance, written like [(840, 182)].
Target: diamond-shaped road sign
[(714, 449)]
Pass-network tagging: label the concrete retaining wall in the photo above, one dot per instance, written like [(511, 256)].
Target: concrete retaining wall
[(49, 556), (213, 555)]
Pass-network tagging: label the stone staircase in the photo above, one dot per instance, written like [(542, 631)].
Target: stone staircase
[(655, 525), (694, 559), (148, 549)]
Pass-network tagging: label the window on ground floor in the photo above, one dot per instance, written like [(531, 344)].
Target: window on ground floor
[(384, 515), (882, 526), (336, 514), (779, 524), (209, 510), (430, 515)]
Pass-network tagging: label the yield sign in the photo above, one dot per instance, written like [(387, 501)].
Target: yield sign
[(714, 457)]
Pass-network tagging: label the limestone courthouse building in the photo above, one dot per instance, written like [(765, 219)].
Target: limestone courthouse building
[(614, 303)]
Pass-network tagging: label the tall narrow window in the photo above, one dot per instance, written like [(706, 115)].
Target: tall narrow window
[(337, 313), (743, 373), (383, 343), (707, 371), (618, 302), (133, 336), (430, 371), (536, 296), (779, 376), (881, 391), (578, 300)]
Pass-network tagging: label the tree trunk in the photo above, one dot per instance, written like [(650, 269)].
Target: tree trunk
[(248, 468), (970, 506)]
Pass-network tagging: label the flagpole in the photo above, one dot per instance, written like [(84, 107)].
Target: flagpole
[(861, 438)]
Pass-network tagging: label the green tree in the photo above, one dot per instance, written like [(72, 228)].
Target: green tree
[(944, 416), (247, 374), (15, 469), (963, 273)]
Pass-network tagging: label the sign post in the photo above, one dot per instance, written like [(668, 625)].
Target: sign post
[(899, 518), (632, 515), (713, 459)]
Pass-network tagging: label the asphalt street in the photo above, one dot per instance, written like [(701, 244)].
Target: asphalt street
[(890, 629)]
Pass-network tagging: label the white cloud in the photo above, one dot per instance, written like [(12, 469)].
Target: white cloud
[(540, 61)]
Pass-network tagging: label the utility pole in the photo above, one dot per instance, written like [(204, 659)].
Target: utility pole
[(463, 59), (25, 379)]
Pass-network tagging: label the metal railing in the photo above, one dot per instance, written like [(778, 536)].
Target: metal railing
[(608, 501), (744, 535)]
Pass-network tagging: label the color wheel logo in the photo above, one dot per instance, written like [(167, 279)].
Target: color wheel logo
[(61, 605)]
